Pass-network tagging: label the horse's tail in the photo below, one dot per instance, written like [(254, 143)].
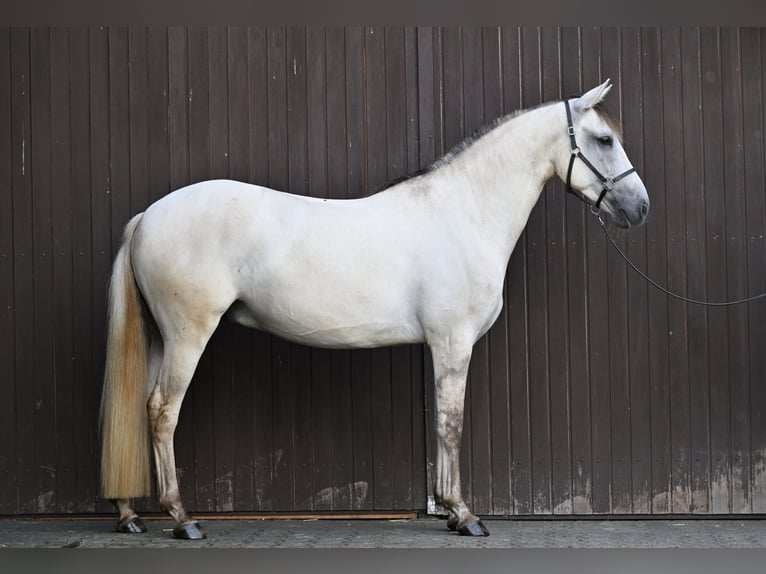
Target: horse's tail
[(124, 421)]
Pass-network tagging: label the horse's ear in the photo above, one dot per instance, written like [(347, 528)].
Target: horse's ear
[(592, 97)]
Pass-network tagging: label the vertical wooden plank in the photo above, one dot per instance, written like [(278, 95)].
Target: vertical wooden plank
[(87, 386), (39, 156), (258, 105), (62, 204), (221, 349), (517, 297), (202, 389), (139, 118), (656, 254), (296, 110), (23, 244), (329, 476), (317, 87), (678, 456), (360, 368), (39, 150), (428, 95), (717, 268), (263, 483), (326, 117), (617, 342), (735, 242), (237, 104), (557, 299), (242, 367), (376, 156), (119, 133), (753, 71), (337, 393), (222, 341), (282, 363), (415, 381), (537, 285), (159, 154), (336, 78), (639, 400), (412, 99), (178, 106), (100, 190), (8, 461), (598, 313), (578, 329), (696, 264), (397, 153), (298, 183), (453, 107), (499, 463)]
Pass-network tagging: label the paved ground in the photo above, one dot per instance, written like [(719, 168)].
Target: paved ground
[(415, 533)]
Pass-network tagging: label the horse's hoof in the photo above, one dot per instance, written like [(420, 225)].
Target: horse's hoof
[(132, 525), (189, 531), (474, 528)]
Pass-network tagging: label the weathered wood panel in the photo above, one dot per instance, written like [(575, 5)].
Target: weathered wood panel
[(592, 394)]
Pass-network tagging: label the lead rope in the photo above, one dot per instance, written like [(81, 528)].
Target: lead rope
[(660, 287)]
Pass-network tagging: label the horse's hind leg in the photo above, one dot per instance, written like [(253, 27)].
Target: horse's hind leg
[(450, 371), (179, 362)]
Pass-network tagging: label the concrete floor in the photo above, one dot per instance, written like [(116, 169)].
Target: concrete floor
[(424, 532)]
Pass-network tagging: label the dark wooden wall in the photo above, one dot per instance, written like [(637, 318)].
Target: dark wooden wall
[(593, 393)]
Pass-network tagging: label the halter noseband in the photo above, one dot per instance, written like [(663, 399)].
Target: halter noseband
[(606, 182)]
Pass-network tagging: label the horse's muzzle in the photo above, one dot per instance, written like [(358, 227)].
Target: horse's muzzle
[(635, 215)]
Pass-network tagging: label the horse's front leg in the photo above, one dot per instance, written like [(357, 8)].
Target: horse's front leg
[(450, 373)]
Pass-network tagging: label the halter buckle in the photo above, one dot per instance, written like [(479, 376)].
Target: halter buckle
[(570, 130)]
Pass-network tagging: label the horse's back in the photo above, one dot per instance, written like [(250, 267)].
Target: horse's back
[(322, 272)]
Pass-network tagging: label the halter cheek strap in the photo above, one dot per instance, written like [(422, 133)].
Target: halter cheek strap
[(607, 183)]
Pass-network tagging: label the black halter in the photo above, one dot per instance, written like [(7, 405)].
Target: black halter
[(606, 182)]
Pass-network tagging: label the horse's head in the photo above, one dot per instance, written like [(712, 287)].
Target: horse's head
[(596, 167)]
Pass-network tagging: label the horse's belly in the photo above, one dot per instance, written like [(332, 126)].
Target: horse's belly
[(320, 327)]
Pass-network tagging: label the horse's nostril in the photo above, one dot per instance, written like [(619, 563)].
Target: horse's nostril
[(644, 209)]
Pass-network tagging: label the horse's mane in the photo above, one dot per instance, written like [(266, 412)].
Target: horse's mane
[(458, 149)]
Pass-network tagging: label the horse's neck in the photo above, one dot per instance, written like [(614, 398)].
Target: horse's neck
[(498, 180)]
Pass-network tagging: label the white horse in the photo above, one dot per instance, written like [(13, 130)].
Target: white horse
[(421, 261)]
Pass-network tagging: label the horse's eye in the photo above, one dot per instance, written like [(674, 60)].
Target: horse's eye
[(605, 141)]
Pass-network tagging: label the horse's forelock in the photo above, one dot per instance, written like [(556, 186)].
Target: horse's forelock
[(613, 123)]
